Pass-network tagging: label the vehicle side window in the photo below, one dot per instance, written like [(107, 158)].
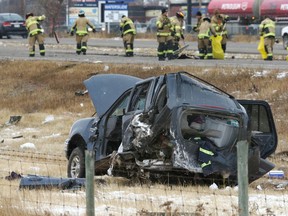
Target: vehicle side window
[(119, 110), (258, 118), (139, 97)]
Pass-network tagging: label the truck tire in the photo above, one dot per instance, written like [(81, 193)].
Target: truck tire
[(76, 164)]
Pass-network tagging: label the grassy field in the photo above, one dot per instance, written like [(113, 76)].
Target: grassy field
[(36, 90)]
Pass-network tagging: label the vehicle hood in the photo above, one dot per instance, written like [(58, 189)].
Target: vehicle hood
[(105, 89)]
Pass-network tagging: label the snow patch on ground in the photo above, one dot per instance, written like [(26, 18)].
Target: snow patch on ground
[(282, 75), (49, 118), (28, 146)]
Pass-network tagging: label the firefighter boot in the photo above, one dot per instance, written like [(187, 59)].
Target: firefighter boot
[(269, 58), (78, 48), (84, 48), (42, 49)]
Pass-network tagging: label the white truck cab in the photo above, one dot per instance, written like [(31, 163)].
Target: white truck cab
[(284, 34)]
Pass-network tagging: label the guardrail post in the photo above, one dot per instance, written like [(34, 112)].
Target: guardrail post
[(89, 168), (242, 167)]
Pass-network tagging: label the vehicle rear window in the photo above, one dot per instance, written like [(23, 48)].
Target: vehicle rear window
[(199, 94), (12, 17)]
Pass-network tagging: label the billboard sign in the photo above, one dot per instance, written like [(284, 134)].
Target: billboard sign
[(91, 13), (114, 12), (83, 3)]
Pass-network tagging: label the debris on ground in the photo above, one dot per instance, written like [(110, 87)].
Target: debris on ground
[(46, 182), (13, 120), (12, 176), (81, 92)]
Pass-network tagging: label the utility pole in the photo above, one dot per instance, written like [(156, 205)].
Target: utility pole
[(23, 7), (189, 12)]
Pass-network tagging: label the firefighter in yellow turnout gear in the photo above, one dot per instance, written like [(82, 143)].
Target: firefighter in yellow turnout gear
[(80, 26), (267, 30), (204, 42), (164, 38), (128, 33), (177, 30), (35, 33), (199, 20), (219, 21)]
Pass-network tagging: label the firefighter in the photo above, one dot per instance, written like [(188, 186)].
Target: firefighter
[(80, 26), (204, 42), (164, 38), (267, 30), (219, 21), (128, 33), (177, 30), (35, 33), (199, 20)]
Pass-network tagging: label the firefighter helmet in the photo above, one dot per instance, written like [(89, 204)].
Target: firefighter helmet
[(81, 13), (199, 13), (28, 15), (164, 10), (180, 14), (206, 19)]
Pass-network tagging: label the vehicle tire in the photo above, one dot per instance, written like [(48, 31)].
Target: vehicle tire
[(8, 37), (285, 41), (76, 164), (24, 36)]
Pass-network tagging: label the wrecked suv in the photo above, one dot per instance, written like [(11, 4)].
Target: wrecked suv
[(174, 123)]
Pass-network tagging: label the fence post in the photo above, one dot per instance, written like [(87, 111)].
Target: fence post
[(89, 168), (242, 165)]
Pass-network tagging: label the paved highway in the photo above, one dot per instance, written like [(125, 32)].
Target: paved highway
[(111, 51)]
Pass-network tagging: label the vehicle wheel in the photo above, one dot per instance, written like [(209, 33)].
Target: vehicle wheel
[(8, 37), (285, 41), (76, 164), (24, 36)]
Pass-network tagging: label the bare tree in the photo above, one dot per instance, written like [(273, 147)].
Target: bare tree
[(52, 10)]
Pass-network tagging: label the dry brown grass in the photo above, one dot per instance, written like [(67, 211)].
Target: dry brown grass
[(37, 89)]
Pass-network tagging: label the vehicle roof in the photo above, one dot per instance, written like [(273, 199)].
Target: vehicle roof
[(186, 89), (183, 88)]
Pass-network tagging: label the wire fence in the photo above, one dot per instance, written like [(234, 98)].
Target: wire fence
[(121, 196)]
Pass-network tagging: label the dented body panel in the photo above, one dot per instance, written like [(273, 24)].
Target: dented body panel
[(174, 122)]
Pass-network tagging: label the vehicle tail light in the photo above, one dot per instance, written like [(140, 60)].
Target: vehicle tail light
[(6, 24)]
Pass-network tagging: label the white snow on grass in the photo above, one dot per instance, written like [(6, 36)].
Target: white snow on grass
[(48, 118), (52, 135), (282, 75), (28, 146)]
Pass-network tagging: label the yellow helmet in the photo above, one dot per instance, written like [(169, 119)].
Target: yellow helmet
[(180, 14)]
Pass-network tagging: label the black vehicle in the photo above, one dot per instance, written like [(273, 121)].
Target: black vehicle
[(12, 24), (171, 123)]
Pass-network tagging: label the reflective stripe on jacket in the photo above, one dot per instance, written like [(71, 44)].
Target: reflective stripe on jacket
[(205, 30), (163, 26), (127, 26), (267, 28), (32, 24), (176, 26), (80, 25)]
